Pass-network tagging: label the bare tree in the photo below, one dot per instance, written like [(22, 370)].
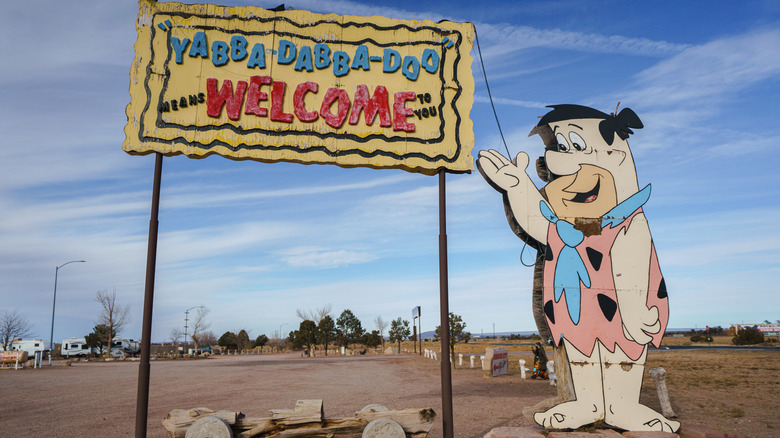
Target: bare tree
[(12, 326), (114, 316), (314, 315), (381, 325), (199, 325), (207, 338), (175, 335)]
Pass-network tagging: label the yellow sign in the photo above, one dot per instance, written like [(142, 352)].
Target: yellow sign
[(250, 83)]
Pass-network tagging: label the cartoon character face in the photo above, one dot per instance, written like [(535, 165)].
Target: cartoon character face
[(588, 193), (594, 176)]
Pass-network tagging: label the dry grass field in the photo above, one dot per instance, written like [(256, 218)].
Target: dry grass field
[(732, 390)]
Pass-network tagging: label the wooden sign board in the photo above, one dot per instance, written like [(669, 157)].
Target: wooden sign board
[(294, 86)]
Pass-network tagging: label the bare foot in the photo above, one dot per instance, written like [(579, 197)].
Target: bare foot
[(569, 415), (639, 418)]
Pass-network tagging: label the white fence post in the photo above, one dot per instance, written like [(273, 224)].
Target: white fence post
[(522, 369), (551, 373), (472, 360)]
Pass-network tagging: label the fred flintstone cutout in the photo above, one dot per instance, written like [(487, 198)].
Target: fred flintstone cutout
[(605, 299)]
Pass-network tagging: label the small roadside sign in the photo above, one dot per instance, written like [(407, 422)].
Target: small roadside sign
[(500, 362)]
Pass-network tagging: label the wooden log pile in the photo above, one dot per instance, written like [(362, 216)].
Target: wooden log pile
[(306, 419)]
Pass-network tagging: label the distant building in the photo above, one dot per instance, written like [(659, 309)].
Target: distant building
[(771, 329)]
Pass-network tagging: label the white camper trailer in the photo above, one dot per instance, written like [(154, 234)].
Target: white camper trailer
[(30, 346), (125, 345), (75, 347)]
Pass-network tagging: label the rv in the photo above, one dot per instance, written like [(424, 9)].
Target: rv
[(75, 347), (128, 346), (30, 346)]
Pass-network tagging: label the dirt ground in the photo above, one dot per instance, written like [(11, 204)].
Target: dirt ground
[(732, 391)]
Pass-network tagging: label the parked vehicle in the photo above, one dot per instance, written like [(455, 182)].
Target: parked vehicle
[(75, 347), (128, 346), (30, 346)]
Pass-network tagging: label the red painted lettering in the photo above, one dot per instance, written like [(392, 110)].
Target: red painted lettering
[(332, 95), (300, 106), (277, 103), (226, 97), (372, 106), (401, 112), (254, 96)]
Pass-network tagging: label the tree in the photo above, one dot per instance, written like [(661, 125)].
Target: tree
[(399, 330), (349, 328), (207, 338), (305, 336), (199, 325), (242, 340), (228, 340), (748, 336), (457, 332), (13, 326), (372, 340), (381, 325), (99, 338), (261, 341), (326, 332), (175, 335), (314, 315), (114, 316)]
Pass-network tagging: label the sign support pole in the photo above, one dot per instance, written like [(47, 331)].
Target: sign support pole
[(446, 372), (142, 400)]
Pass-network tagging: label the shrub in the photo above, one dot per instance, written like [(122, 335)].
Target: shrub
[(748, 336)]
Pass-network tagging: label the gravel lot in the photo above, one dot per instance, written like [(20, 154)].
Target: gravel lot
[(98, 398)]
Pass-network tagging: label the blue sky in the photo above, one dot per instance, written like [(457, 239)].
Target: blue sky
[(254, 242)]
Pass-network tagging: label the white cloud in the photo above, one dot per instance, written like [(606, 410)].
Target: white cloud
[(306, 257), (501, 40), (219, 194), (505, 101), (63, 37), (703, 75)]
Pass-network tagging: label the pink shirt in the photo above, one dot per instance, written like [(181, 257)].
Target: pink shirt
[(599, 314)]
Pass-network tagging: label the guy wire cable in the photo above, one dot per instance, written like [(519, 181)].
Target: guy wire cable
[(490, 96)]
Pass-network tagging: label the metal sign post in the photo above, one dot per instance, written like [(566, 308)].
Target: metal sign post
[(142, 400), (444, 305)]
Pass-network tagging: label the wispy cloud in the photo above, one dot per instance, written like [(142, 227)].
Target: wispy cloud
[(707, 73), (505, 101), (307, 257), (215, 195), (503, 39)]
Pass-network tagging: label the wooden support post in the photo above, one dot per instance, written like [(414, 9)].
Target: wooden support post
[(659, 377)]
